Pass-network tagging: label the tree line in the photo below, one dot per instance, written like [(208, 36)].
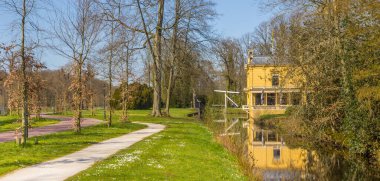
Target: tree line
[(104, 40), (333, 48), (333, 45)]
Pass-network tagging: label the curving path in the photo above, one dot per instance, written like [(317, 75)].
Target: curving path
[(63, 125), (70, 165)]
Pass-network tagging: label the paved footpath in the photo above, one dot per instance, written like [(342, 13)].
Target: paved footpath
[(63, 125), (69, 165)]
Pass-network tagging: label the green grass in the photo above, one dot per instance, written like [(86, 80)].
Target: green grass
[(272, 116), (11, 123), (229, 110), (185, 150), (58, 144)]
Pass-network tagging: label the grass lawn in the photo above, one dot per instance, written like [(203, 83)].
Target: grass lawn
[(58, 144), (185, 150), (11, 123)]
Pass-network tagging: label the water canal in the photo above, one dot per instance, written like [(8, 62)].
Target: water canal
[(271, 153)]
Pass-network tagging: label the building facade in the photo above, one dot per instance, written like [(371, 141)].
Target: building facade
[(270, 90)]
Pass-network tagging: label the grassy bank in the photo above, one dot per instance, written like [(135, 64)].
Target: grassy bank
[(58, 144), (11, 123), (185, 150)]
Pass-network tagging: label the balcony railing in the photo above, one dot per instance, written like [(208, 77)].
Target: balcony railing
[(270, 107)]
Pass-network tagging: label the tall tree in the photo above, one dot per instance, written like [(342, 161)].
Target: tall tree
[(174, 55), (263, 39), (111, 49), (189, 33), (156, 52), (334, 47), (23, 9), (25, 113), (228, 53), (77, 29), (132, 23)]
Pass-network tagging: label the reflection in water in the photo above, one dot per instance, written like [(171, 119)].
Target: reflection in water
[(273, 159), (277, 156)]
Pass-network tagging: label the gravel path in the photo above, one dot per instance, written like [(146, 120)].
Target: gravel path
[(63, 125)]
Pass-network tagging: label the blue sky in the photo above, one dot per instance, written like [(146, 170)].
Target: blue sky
[(236, 17)]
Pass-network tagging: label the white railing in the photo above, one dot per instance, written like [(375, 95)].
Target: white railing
[(270, 107)]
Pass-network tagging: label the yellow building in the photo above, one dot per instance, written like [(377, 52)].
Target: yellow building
[(274, 160), (270, 152), (269, 90)]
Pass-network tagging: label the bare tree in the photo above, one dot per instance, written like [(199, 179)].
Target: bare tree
[(111, 49), (189, 24), (156, 52), (23, 9), (263, 39), (77, 29), (23, 71), (228, 53), (131, 22), (189, 32), (173, 58)]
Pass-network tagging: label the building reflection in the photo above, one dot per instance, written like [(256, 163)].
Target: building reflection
[(273, 158)]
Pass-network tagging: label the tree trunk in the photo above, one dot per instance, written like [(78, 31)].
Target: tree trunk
[(156, 54), (168, 92), (92, 106), (125, 102), (104, 103), (109, 124), (125, 89), (194, 98), (157, 64), (78, 112), (25, 122), (156, 111), (64, 103), (174, 57)]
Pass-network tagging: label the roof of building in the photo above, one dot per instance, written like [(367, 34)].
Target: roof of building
[(262, 60), (266, 60)]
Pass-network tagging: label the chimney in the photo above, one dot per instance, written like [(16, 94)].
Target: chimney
[(250, 56)]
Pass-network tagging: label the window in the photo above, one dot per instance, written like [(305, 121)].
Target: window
[(283, 98), (275, 80), (276, 153), (259, 136), (272, 136), (258, 99), (271, 99), (296, 98)]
